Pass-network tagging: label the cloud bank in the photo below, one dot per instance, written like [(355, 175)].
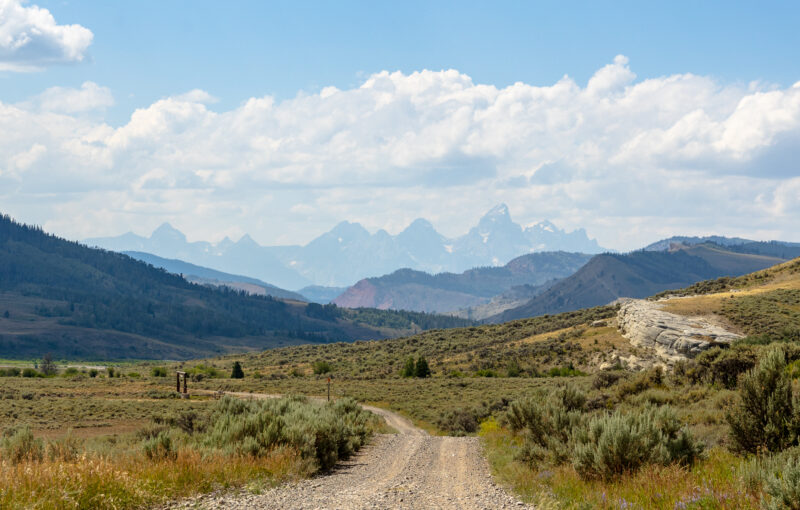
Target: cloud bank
[(30, 38), (629, 160)]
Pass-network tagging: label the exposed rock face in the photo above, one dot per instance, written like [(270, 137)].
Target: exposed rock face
[(672, 337)]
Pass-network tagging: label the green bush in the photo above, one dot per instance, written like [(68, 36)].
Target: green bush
[(19, 445), (158, 371), (616, 444), (642, 381), (783, 488), (29, 372), (408, 368), (459, 422), (765, 417), (70, 372), (513, 369), (421, 369), (724, 366), (321, 367), (565, 371), (486, 372), (160, 447), (323, 433), (93, 372), (10, 372), (606, 379), (202, 371), (547, 424)]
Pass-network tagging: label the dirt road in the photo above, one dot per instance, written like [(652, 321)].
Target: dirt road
[(407, 470)]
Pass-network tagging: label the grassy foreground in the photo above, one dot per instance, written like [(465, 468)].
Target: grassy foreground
[(229, 443)]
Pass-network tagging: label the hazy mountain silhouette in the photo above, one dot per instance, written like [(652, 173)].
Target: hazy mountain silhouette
[(349, 253)]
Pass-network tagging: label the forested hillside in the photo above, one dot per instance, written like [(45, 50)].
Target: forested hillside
[(72, 301)]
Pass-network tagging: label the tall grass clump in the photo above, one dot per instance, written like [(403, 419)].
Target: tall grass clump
[(620, 443), (323, 433), (19, 445), (766, 417)]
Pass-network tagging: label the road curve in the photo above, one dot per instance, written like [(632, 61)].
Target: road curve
[(407, 470)]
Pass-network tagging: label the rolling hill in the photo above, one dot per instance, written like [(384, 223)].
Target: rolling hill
[(73, 301), (607, 277), (407, 289), (206, 276)]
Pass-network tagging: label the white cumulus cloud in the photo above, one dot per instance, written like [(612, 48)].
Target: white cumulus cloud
[(30, 38), (89, 97), (631, 160)]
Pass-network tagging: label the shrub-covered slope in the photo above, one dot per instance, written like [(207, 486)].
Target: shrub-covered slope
[(637, 275)]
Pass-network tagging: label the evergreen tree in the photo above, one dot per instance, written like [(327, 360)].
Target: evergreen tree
[(408, 368), (237, 372), (422, 369)]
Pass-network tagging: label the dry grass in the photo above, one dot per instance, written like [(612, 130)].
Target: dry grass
[(713, 483), (132, 481)]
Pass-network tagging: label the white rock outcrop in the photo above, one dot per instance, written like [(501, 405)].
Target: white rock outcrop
[(672, 337)]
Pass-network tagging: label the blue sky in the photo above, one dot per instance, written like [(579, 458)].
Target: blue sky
[(146, 50), (282, 118)]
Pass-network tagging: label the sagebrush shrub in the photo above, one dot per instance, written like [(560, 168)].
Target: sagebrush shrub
[(160, 447), (324, 433), (547, 424), (765, 417), (783, 488), (64, 449), (19, 445), (614, 444)]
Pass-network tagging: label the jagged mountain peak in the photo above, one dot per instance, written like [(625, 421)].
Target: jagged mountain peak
[(499, 210), (545, 225), (348, 229), (167, 231), (420, 224), (248, 241)]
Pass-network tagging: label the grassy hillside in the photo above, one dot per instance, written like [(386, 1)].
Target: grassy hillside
[(77, 302), (639, 274)]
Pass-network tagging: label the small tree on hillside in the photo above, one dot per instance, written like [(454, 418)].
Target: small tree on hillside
[(408, 368), (422, 369), (47, 366), (765, 418), (237, 372)]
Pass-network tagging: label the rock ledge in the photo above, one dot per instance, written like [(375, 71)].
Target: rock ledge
[(672, 337)]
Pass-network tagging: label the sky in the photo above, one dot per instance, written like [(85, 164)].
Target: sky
[(633, 120)]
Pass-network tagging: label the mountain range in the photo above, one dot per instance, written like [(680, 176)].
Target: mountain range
[(407, 289), (607, 277), (349, 253)]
